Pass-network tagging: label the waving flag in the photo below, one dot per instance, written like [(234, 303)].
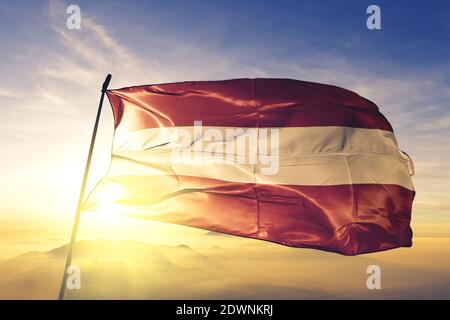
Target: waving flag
[(292, 162)]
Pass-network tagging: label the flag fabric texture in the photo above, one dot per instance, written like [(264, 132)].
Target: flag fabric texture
[(329, 176)]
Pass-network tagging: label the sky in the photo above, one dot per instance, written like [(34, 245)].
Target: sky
[(50, 85), (51, 78)]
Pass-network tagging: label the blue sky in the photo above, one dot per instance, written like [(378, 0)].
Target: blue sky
[(413, 33), (51, 77)]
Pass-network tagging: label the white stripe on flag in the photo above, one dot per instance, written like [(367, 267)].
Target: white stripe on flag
[(307, 156)]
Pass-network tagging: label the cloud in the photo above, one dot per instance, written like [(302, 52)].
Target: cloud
[(88, 53), (71, 71), (4, 92), (131, 269), (439, 123)]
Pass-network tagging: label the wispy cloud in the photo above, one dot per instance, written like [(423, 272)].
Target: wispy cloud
[(88, 53), (8, 93), (70, 74)]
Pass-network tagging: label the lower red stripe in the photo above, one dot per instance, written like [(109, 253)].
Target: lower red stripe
[(348, 219)]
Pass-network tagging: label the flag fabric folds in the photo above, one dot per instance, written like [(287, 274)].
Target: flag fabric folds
[(293, 162)]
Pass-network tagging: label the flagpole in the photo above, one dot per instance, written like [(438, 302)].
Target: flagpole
[(82, 191)]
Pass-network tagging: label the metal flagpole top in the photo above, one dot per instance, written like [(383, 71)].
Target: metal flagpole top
[(106, 83)]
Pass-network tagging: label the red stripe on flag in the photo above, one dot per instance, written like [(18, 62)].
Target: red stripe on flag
[(243, 103), (348, 219)]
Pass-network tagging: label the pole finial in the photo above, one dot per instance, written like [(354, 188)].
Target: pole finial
[(106, 83)]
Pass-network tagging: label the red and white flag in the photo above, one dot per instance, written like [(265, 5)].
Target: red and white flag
[(297, 163)]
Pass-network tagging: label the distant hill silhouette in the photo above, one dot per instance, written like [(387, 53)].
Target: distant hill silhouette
[(253, 269)]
